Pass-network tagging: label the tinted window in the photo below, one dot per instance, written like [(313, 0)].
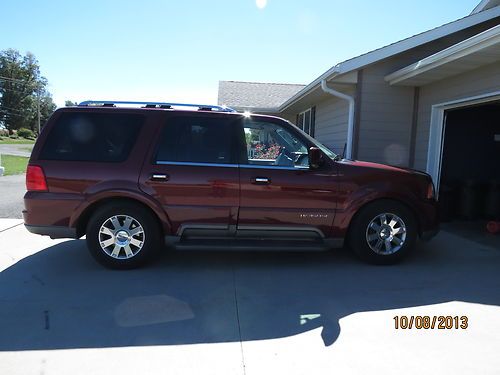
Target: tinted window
[(269, 144), (97, 137), (197, 140)]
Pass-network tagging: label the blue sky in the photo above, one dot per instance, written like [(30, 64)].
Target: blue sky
[(179, 50)]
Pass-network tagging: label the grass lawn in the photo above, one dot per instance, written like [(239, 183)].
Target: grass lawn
[(19, 141), (14, 164)]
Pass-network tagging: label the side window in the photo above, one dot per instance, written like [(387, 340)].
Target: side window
[(94, 137), (196, 139), (306, 121), (272, 145)]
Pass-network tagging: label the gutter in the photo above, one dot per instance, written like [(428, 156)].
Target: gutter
[(390, 50), (331, 73), (350, 121)]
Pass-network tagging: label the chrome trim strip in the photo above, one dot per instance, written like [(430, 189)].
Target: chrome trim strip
[(283, 228), (183, 227), (187, 163), (246, 166), (256, 166)]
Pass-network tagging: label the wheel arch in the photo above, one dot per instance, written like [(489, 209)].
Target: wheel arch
[(382, 199), (81, 217)]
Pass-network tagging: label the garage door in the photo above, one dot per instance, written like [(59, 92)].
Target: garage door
[(469, 183)]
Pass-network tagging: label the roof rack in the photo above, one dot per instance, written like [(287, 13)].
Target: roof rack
[(164, 105)]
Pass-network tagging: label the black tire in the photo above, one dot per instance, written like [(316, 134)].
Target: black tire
[(150, 237), (359, 233)]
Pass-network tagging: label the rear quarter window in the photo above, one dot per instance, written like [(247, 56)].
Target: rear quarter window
[(93, 137)]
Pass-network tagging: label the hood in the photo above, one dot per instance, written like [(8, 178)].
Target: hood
[(389, 168)]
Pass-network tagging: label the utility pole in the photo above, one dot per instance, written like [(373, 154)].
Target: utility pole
[(38, 109)]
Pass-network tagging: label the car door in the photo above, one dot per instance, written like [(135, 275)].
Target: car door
[(279, 191), (193, 173)]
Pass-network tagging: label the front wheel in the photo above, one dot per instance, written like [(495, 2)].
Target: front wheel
[(122, 235), (384, 232)]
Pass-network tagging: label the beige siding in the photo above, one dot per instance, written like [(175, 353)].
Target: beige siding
[(385, 118), (477, 82), (386, 111), (331, 122)]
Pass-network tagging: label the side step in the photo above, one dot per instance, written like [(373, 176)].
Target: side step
[(250, 245)]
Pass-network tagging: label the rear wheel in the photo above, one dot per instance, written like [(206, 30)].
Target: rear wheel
[(384, 232), (122, 235)]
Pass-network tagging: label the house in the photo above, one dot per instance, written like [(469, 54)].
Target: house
[(429, 102)]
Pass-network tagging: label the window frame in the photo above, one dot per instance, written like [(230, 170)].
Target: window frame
[(243, 158), (234, 159), (54, 123), (309, 113)]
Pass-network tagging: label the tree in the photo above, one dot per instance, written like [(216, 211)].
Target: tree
[(22, 90), (69, 103)]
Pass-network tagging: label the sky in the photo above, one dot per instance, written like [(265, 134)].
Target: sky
[(178, 51)]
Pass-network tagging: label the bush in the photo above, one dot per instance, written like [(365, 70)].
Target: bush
[(25, 133), (4, 133), (13, 136)]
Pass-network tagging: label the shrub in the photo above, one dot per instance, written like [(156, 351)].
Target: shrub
[(25, 133), (13, 136), (4, 133)]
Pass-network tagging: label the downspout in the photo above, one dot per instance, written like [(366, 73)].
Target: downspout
[(350, 121)]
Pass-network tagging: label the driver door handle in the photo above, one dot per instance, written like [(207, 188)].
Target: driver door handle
[(261, 181), (159, 177)]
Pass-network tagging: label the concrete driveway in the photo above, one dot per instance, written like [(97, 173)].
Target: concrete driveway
[(12, 189), (244, 313)]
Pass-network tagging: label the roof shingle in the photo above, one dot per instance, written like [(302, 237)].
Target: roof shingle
[(248, 95)]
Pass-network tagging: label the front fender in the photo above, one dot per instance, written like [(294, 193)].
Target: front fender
[(358, 198)]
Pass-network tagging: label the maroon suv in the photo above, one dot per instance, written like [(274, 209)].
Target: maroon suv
[(135, 178)]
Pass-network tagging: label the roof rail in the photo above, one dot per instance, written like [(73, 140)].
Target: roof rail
[(164, 105)]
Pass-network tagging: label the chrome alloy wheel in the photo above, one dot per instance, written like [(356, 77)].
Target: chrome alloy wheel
[(121, 237), (386, 234)]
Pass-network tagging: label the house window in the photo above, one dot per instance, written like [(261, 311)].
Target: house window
[(306, 121)]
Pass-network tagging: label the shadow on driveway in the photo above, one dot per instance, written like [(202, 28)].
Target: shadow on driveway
[(59, 298)]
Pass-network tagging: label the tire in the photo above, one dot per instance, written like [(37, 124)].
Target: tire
[(379, 239), (123, 235)]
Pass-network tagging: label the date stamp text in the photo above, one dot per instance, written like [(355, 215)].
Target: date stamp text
[(430, 322)]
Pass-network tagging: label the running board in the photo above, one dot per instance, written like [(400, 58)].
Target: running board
[(250, 245)]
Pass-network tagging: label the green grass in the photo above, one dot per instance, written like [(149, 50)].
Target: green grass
[(19, 141), (14, 164)]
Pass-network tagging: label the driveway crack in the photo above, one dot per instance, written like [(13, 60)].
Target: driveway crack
[(15, 225), (238, 320)]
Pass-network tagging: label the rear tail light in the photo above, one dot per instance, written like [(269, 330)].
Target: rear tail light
[(35, 179)]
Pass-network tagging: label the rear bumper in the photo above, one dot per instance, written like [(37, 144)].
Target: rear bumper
[(52, 231), (48, 214)]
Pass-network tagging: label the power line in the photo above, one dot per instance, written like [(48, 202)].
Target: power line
[(7, 114), (14, 79), (16, 90)]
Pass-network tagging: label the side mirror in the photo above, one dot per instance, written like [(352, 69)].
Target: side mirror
[(315, 157)]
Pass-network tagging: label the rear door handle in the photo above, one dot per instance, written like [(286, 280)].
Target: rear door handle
[(261, 181), (159, 177)]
